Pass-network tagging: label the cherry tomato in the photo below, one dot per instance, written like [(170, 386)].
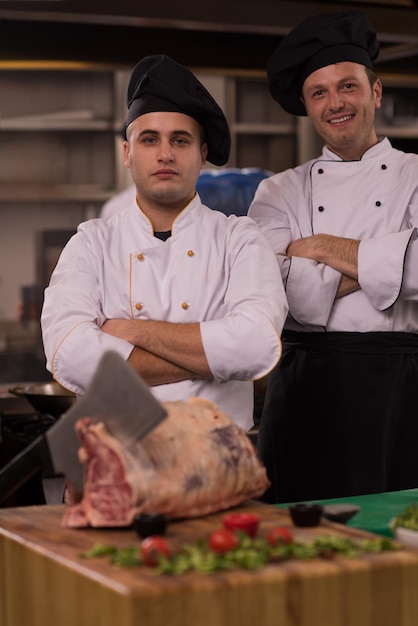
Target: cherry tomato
[(245, 522), (152, 547), (279, 534), (223, 540)]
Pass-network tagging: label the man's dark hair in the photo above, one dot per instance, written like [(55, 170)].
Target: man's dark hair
[(371, 75)]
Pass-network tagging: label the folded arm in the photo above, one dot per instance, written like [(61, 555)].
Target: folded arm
[(347, 285), (165, 351), (157, 371), (339, 253)]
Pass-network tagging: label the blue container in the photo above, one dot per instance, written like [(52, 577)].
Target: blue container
[(230, 190)]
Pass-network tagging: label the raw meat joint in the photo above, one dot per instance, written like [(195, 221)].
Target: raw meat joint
[(195, 462)]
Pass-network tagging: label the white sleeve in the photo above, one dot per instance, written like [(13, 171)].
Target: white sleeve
[(244, 343), (387, 268), (310, 290), (310, 286), (71, 317)]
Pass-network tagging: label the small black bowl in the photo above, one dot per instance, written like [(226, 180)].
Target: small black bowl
[(305, 514), (340, 512), (147, 524)]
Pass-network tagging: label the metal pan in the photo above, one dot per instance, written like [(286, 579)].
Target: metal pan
[(50, 398)]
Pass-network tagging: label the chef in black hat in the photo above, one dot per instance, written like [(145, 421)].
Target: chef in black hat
[(157, 83), (193, 299), (339, 416), (319, 41)]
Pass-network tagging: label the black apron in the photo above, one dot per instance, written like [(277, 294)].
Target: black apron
[(340, 416)]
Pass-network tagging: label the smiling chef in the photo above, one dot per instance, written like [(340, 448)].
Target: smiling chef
[(340, 417), (192, 299)]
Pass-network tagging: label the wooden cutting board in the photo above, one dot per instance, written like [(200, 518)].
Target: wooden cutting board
[(45, 581)]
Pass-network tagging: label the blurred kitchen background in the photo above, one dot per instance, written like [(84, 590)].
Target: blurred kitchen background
[(64, 67)]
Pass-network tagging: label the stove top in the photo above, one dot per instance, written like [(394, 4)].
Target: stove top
[(20, 424), (24, 427), (19, 419)]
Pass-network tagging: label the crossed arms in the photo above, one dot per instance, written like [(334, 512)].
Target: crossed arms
[(164, 352), (167, 352), (339, 253)]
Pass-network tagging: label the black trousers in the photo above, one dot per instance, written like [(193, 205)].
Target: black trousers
[(340, 416)]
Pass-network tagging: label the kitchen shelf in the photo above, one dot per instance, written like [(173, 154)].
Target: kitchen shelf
[(58, 126), (398, 116), (242, 128), (59, 135), (404, 132), (36, 192), (263, 135), (57, 121)]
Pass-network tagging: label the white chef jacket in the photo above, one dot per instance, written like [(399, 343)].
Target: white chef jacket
[(119, 202), (374, 200), (216, 270)]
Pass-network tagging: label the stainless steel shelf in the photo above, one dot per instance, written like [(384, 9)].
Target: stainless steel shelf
[(10, 192)]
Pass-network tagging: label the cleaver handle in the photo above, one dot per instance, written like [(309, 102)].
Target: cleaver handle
[(23, 466)]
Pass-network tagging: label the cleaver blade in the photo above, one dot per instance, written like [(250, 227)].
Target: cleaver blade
[(116, 396)]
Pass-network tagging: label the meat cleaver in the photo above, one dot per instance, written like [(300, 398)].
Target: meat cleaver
[(117, 396)]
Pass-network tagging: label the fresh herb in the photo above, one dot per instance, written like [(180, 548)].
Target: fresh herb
[(250, 554), (126, 557), (407, 519), (99, 550), (379, 544)]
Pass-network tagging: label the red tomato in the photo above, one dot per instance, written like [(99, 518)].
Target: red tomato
[(223, 540), (152, 547), (245, 522), (279, 534)]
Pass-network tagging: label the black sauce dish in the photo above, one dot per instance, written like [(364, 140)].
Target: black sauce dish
[(148, 524), (340, 513), (306, 514)]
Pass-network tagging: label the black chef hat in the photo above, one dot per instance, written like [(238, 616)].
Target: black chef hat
[(318, 41), (157, 83)]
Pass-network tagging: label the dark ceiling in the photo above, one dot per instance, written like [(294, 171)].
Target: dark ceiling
[(227, 34)]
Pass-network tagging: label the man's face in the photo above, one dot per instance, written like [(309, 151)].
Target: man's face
[(342, 104), (165, 154)]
